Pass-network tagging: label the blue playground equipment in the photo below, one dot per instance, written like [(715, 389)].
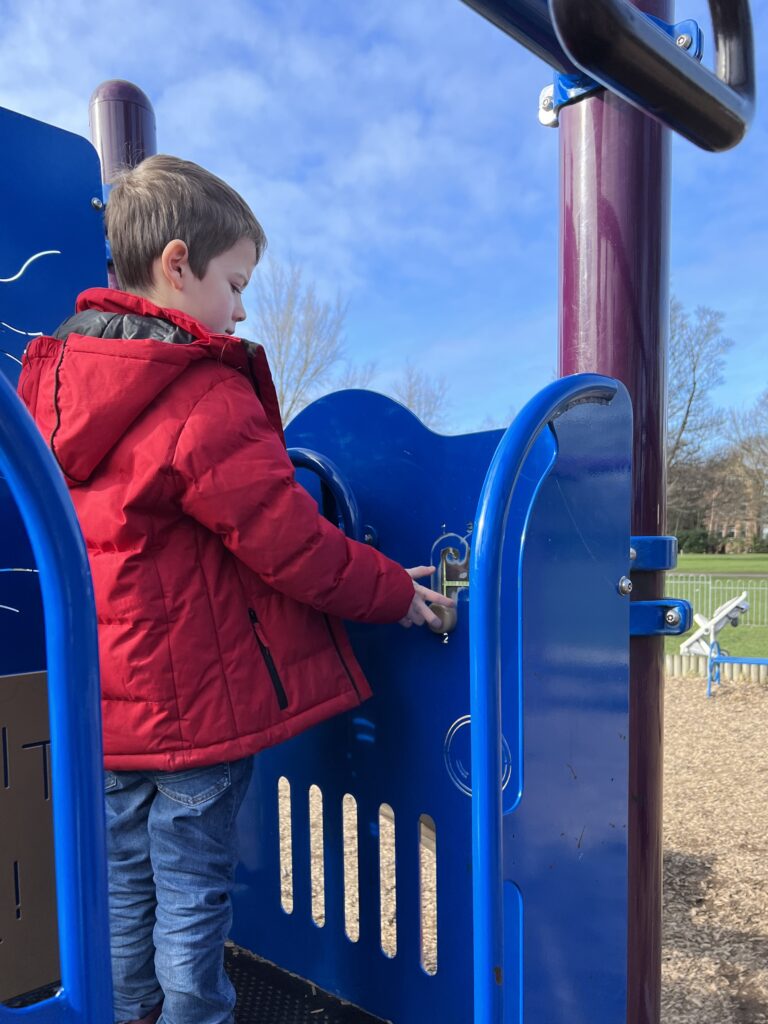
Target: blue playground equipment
[(558, 488), (716, 658), (498, 753)]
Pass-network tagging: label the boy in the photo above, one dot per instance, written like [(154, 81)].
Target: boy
[(219, 588)]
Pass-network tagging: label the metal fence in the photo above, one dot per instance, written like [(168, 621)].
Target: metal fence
[(706, 593)]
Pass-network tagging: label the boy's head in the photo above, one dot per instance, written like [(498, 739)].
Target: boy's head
[(183, 238)]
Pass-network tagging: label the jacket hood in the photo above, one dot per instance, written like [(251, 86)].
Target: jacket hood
[(113, 359)]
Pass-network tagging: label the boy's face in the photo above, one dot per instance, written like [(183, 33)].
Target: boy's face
[(216, 299)]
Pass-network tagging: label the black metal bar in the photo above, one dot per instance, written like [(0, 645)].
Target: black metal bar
[(342, 494), (617, 45), (529, 22)]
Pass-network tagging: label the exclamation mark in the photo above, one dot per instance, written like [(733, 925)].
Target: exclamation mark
[(17, 887), (6, 765)]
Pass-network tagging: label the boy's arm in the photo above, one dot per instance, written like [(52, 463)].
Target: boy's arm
[(238, 481)]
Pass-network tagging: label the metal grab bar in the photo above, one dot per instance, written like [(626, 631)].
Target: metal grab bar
[(346, 504), (623, 49), (74, 702), (485, 671), (530, 23)]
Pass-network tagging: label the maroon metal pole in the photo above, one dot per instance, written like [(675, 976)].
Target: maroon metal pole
[(614, 295), (122, 129), (122, 126)]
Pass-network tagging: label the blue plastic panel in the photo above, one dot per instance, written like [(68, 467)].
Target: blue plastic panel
[(565, 835), (73, 696), (408, 746), (565, 898), (51, 248)]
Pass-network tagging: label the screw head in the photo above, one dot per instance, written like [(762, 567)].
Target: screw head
[(97, 204), (547, 103), (684, 41), (625, 586), (672, 617), (632, 555)]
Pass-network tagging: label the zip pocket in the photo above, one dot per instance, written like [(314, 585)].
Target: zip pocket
[(282, 699), (341, 656)]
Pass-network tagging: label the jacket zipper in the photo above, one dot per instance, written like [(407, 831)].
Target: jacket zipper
[(282, 699), (341, 656)]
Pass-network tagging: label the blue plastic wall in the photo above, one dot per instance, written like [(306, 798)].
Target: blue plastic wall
[(48, 178), (51, 248), (564, 726)]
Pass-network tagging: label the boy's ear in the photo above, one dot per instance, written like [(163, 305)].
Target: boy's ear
[(174, 263)]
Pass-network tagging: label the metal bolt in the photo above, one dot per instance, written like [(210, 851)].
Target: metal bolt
[(632, 555), (547, 103), (97, 204), (672, 617), (625, 586), (684, 41)]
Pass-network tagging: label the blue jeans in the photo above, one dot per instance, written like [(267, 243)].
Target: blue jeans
[(172, 852)]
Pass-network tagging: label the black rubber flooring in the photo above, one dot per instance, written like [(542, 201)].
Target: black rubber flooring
[(268, 995), (265, 995)]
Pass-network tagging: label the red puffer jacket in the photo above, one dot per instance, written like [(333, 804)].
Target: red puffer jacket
[(219, 587)]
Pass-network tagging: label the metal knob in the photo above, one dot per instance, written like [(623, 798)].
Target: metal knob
[(448, 619)]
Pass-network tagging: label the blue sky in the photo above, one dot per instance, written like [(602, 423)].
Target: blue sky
[(394, 151)]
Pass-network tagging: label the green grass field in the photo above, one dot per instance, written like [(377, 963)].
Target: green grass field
[(751, 641), (717, 565)]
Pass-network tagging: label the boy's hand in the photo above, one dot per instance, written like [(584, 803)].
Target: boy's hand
[(419, 612)]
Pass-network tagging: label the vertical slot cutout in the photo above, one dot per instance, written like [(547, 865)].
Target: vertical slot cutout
[(387, 883), (286, 844), (6, 765), (428, 893), (316, 856), (351, 868), (17, 888)]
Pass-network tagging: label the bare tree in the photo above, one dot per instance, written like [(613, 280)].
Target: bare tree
[(424, 394), (749, 433), (697, 350), (496, 422), (698, 465), (303, 335), (354, 375)]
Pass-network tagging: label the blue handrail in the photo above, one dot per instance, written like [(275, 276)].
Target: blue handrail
[(74, 703), (346, 503), (485, 672)]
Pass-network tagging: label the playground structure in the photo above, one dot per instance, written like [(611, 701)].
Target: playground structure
[(704, 639), (548, 877), (729, 613)]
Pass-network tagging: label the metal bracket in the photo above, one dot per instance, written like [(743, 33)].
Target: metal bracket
[(666, 617), (648, 554), (567, 89)]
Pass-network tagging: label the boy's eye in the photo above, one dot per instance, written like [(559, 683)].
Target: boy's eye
[(235, 289)]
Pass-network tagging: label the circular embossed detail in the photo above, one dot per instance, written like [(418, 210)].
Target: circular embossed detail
[(457, 756)]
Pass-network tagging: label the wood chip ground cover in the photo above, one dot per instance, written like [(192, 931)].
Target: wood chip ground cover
[(715, 938)]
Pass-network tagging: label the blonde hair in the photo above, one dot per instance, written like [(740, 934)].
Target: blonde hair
[(163, 198)]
